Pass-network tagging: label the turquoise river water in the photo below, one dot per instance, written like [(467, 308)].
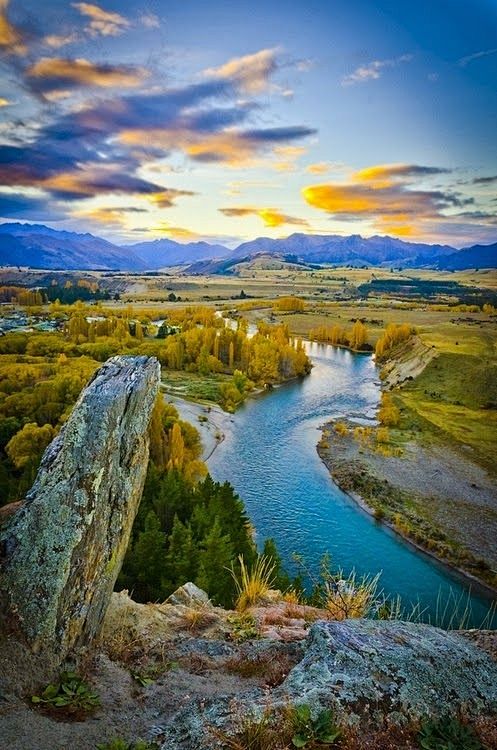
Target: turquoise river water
[(270, 457)]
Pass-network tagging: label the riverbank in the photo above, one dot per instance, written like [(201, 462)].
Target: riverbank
[(436, 499), (209, 419)]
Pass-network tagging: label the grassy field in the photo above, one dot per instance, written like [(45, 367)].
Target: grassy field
[(193, 386)]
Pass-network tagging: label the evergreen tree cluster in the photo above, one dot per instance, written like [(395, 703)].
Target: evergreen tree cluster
[(186, 532)]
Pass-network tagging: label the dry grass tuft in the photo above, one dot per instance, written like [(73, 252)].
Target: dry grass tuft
[(255, 583), (348, 598), (271, 668), (198, 619)]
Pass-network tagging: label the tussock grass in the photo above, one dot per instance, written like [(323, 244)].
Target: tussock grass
[(254, 583), (348, 597)]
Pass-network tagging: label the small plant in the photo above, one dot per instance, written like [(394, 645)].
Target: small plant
[(253, 584), (341, 429), (309, 732), (151, 672), (448, 734), (118, 744), (70, 695), (243, 627), (348, 598), (254, 734), (197, 619)]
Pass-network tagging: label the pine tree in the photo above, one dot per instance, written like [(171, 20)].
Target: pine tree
[(147, 560), (182, 556), (214, 561)]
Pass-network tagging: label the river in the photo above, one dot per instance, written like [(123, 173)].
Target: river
[(269, 456)]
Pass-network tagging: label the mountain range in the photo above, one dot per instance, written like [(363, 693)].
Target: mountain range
[(39, 246)]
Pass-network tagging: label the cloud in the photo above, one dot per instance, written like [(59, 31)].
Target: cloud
[(287, 157), (99, 148), (102, 22), (4, 102), (56, 41), (271, 217), (463, 61), (252, 73), (373, 70), (116, 216), (386, 174), (59, 75), (485, 180), (230, 147), (150, 20), (321, 167), (20, 206), (176, 232), (108, 179), (385, 194), (11, 38)]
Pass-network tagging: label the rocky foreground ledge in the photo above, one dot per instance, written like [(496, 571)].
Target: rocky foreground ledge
[(62, 551)]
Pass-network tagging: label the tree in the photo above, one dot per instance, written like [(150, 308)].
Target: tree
[(29, 443), (214, 561), (182, 556), (176, 448), (147, 561), (358, 335)]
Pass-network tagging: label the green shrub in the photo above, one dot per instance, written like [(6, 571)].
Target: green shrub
[(71, 693), (448, 734), (309, 732)]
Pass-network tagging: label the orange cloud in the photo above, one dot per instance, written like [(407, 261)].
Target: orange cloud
[(107, 216), (57, 74), (102, 22), (321, 167), (176, 232), (228, 147), (270, 216), (288, 156), (10, 37), (105, 180), (385, 195), (251, 72), (4, 102), (386, 174), (56, 41)]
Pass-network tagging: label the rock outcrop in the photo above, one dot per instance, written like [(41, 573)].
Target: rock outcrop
[(372, 674), (62, 551), (393, 672)]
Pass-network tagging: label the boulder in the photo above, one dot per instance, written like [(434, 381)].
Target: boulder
[(392, 672), (189, 595), (60, 553)]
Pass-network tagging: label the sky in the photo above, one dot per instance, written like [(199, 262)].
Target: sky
[(224, 121)]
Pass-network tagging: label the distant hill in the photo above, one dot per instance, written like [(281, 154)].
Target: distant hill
[(476, 256), (161, 253), (39, 246), (351, 250), (232, 266)]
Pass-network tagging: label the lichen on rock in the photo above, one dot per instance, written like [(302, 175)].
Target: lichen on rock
[(62, 550)]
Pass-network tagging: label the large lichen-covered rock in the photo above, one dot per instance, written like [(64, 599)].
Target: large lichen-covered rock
[(371, 674), (62, 551), (392, 671)]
